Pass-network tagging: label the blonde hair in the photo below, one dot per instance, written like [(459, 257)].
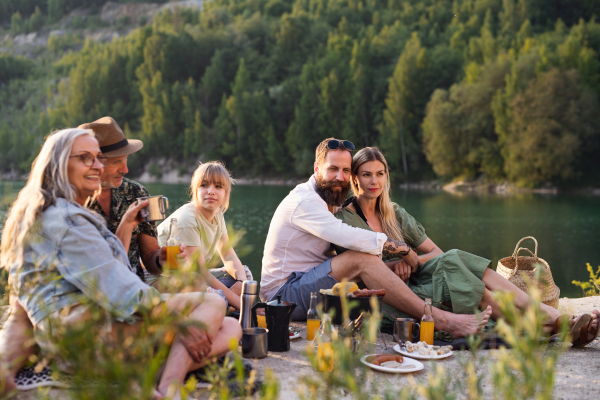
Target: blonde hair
[(212, 172), (383, 208), (48, 181)]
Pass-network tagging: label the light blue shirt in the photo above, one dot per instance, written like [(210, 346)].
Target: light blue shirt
[(70, 254)]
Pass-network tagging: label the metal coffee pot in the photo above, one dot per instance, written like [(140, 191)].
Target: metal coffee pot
[(156, 210), (278, 316)]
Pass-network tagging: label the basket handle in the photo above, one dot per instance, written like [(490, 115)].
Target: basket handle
[(517, 258), (517, 248)]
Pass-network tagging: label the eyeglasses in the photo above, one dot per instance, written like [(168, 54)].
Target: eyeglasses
[(335, 144), (88, 160)]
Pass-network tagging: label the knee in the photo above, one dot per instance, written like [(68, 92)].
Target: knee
[(360, 260), (233, 327), (216, 301)]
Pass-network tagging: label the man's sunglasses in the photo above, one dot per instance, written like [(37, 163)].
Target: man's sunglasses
[(88, 160), (335, 144)]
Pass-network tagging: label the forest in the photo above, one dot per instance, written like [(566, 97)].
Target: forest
[(500, 90)]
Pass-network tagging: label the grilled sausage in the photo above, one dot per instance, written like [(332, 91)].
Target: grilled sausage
[(377, 360)]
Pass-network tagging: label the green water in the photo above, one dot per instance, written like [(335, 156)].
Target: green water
[(566, 226)]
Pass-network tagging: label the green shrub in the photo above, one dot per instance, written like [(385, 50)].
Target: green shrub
[(60, 43), (592, 287)]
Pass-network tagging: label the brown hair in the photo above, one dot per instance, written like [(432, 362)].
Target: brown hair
[(323, 150), (212, 172), (383, 208)]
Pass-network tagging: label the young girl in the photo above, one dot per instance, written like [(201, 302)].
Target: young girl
[(201, 227)]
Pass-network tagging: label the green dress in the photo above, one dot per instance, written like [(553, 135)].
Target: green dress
[(453, 277)]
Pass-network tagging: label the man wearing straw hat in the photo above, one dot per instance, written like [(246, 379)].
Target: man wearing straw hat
[(119, 193)]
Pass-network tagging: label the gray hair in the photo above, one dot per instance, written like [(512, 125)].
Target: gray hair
[(48, 180)]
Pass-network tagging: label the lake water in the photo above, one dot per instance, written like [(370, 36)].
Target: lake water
[(567, 227)]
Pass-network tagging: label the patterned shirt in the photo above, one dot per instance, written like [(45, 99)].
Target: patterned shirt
[(121, 199)]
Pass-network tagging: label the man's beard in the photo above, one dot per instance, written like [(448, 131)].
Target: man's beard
[(108, 184), (332, 197)]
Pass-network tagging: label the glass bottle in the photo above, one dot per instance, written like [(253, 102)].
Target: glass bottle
[(312, 318), (173, 244), (427, 324), (325, 350)]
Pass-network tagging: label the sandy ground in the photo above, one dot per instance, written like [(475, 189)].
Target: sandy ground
[(577, 372)]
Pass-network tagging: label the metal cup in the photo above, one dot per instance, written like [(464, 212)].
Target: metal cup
[(255, 343), (156, 210), (404, 329)]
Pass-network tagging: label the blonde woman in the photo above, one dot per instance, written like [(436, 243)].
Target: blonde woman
[(201, 227), (57, 251), (456, 281)]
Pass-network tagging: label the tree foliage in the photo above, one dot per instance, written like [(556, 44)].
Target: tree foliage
[(456, 88)]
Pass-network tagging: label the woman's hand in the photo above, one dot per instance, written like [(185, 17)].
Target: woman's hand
[(197, 342), (412, 260), (182, 256), (403, 270)]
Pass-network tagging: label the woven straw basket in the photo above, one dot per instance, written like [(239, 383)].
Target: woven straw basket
[(513, 268)]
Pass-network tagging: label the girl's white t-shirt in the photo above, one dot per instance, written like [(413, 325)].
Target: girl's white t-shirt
[(194, 229)]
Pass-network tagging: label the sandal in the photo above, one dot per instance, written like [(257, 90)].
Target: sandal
[(587, 334), (576, 324)]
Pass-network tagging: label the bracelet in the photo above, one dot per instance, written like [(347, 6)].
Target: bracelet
[(158, 263), (405, 253)]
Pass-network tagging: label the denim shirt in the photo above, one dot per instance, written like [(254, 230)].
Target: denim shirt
[(70, 254)]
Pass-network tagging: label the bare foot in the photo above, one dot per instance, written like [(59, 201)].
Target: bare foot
[(595, 317), (462, 325), (156, 396)]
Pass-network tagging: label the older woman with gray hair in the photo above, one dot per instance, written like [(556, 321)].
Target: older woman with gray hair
[(56, 250)]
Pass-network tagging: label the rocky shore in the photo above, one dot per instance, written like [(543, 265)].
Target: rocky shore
[(577, 372)]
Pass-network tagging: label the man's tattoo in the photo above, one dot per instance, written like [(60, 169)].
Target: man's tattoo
[(394, 246)]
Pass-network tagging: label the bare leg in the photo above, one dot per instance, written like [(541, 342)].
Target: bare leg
[(375, 274), (16, 346), (211, 313), (495, 282)]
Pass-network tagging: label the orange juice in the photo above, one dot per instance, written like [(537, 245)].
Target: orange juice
[(427, 332), (312, 326), (172, 261), (325, 356), (262, 321)]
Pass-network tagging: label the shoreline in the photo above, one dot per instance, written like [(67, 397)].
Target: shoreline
[(457, 188)]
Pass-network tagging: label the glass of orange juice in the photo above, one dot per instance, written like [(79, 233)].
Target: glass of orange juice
[(172, 260), (262, 321)]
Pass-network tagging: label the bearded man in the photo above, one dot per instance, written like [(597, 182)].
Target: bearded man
[(298, 260)]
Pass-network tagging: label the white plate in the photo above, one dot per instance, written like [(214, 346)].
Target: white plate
[(415, 354), (414, 364)]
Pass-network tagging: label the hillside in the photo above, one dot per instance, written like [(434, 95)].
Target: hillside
[(494, 90)]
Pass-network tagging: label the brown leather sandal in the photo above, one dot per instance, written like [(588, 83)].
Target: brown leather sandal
[(575, 323), (587, 334)]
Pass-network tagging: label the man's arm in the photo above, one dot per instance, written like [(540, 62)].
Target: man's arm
[(151, 253), (313, 217), (398, 247)]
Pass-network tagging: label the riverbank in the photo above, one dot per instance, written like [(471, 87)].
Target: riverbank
[(577, 371)]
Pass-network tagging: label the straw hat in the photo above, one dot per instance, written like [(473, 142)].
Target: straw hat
[(111, 138)]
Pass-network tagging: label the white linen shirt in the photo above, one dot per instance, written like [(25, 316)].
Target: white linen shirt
[(300, 237)]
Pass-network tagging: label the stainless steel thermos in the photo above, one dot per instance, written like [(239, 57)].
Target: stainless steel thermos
[(248, 299)]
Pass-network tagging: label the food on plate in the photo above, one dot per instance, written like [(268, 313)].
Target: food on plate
[(343, 288), (395, 365), (326, 291), (425, 350), (378, 360), (368, 293)]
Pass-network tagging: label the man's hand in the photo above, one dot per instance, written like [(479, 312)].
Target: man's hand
[(403, 270), (132, 215), (197, 342)]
